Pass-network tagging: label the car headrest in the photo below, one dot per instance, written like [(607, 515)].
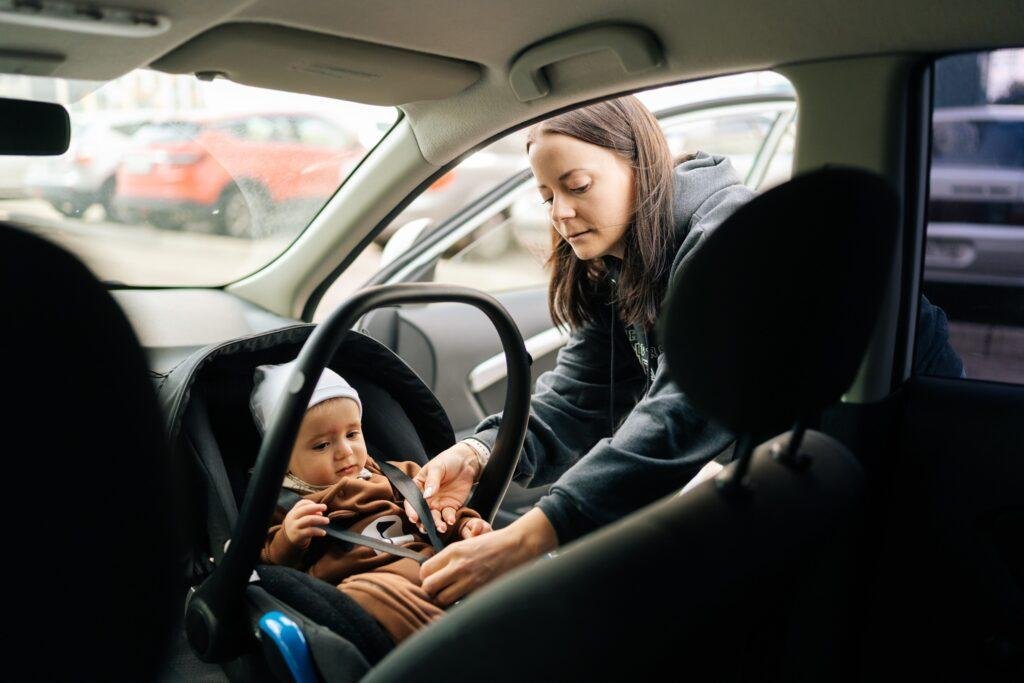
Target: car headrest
[(84, 449), (767, 320)]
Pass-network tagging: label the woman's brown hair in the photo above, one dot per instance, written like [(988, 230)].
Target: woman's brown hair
[(627, 128)]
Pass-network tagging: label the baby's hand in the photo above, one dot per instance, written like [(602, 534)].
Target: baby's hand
[(475, 526), (303, 522)]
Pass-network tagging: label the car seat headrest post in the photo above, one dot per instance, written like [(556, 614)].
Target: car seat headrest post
[(790, 455), (730, 483)]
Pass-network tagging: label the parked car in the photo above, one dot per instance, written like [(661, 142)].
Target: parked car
[(86, 174), (976, 210), (240, 174)]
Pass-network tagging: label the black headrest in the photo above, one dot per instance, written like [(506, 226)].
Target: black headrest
[(92, 551), (768, 319)]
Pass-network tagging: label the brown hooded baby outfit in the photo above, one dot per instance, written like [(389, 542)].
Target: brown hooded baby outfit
[(386, 586)]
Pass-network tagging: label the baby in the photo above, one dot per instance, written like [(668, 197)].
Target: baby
[(331, 469)]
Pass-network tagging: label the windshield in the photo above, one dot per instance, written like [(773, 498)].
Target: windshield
[(174, 181)]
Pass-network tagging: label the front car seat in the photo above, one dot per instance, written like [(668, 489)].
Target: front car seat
[(744, 577), (93, 557)]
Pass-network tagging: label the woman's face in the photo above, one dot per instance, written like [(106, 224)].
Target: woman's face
[(589, 193)]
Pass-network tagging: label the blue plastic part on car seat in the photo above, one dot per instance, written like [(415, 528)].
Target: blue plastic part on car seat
[(289, 639)]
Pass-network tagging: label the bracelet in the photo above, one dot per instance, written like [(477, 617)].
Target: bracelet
[(483, 453)]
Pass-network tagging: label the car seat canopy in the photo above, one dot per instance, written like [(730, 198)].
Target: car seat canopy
[(225, 371)]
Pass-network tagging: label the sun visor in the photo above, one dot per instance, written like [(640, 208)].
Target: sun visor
[(281, 58)]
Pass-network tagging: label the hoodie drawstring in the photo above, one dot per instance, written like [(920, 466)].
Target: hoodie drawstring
[(611, 380)]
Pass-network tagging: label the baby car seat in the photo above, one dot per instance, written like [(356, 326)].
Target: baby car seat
[(207, 400)]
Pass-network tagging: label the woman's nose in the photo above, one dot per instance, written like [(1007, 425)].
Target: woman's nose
[(561, 209)]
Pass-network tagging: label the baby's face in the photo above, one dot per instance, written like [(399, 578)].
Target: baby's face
[(330, 443)]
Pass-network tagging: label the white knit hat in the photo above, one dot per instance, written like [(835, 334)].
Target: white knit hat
[(269, 387)]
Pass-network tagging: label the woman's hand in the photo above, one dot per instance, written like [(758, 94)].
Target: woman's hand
[(446, 482), (303, 522), (463, 567)]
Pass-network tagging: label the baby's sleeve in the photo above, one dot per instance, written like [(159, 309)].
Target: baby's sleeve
[(277, 549), (462, 515)]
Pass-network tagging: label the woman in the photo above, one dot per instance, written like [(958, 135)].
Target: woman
[(606, 422), (607, 426)]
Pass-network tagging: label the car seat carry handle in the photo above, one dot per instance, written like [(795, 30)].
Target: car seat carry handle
[(407, 487), (288, 499), (215, 619)]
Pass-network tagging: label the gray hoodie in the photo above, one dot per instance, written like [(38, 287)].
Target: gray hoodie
[(663, 441)]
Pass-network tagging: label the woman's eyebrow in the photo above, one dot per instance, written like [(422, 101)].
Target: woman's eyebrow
[(570, 172)]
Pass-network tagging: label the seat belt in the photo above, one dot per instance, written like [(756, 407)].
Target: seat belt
[(287, 500), (411, 492), (405, 486)]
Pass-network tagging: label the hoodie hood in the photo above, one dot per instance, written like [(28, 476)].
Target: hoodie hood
[(706, 190)]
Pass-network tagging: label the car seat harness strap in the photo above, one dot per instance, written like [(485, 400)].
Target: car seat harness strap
[(401, 481), (407, 487)]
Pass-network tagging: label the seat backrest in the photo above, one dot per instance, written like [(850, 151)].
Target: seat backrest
[(93, 559)]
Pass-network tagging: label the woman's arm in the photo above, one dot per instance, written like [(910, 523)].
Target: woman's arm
[(569, 413), (660, 446), (463, 567), (569, 409)]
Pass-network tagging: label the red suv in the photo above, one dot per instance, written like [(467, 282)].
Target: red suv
[(237, 174)]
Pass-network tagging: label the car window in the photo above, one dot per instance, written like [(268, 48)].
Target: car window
[(505, 245), (173, 181), (748, 118), (738, 136), (974, 246)]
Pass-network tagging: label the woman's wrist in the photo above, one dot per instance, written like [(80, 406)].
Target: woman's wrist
[(481, 454), (533, 534)]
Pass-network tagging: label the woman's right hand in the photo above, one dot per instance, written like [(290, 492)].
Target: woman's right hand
[(446, 482)]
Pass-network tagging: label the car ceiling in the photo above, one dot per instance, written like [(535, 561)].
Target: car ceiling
[(468, 47)]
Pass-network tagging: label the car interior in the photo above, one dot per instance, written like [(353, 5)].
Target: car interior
[(867, 523)]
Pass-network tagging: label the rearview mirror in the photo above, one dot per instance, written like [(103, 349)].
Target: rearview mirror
[(33, 128)]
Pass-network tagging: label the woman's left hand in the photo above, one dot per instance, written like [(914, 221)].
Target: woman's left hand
[(462, 567)]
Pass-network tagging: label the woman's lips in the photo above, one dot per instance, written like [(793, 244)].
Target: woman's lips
[(578, 235)]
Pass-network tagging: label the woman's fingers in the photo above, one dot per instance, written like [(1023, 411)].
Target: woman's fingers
[(435, 472), (411, 514), (438, 572)]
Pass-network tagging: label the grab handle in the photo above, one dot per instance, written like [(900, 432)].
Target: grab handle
[(636, 49)]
